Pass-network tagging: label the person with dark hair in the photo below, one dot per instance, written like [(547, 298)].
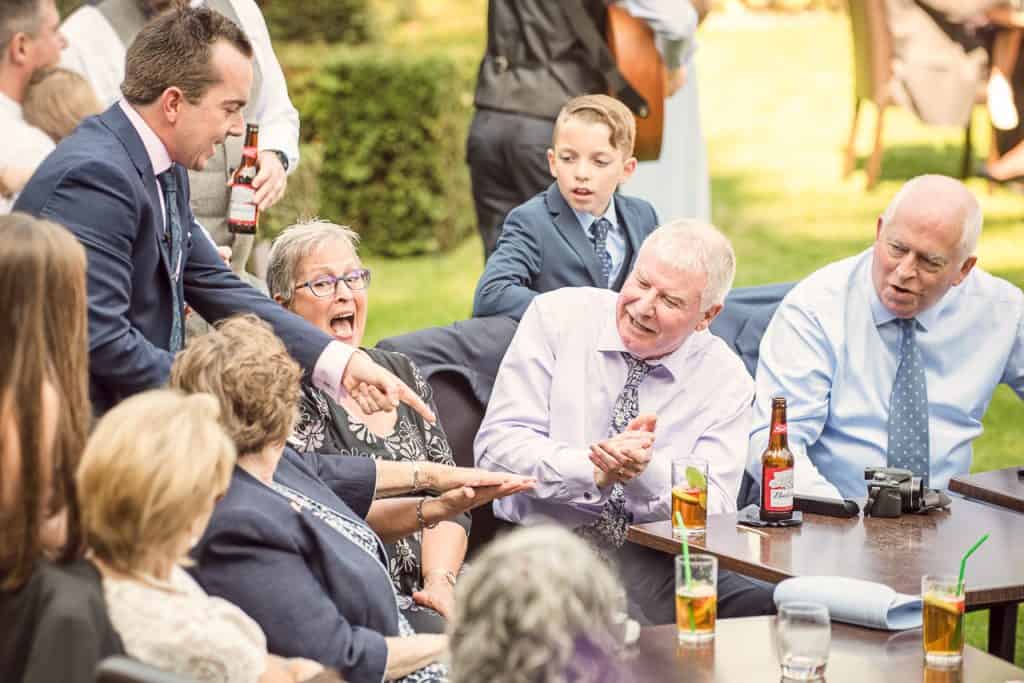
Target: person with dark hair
[(46, 605), (119, 184), (98, 36), (29, 42)]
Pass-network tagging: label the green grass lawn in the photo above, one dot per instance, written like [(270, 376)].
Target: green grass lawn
[(776, 108)]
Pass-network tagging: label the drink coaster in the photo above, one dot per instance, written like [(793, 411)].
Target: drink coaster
[(751, 516)]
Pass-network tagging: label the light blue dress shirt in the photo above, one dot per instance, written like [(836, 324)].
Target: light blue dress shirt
[(832, 350), (554, 396), (616, 243)]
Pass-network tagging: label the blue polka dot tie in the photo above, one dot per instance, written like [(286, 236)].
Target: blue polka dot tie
[(908, 409), (599, 240), (613, 524)]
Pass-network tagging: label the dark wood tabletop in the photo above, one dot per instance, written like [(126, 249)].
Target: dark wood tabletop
[(896, 552), (744, 650), (999, 487)]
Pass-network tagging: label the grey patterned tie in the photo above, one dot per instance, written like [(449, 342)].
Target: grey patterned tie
[(613, 523), (908, 409), (599, 240), (172, 242)]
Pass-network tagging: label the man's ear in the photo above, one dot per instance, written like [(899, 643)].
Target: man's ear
[(17, 50), (551, 162), (709, 315), (171, 102), (965, 269)]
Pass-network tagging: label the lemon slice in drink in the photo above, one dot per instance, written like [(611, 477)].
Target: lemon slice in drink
[(951, 606), (684, 496)]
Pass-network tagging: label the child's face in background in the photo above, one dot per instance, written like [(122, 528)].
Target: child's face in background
[(586, 165)]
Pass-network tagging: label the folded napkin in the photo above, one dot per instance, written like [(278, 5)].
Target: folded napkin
[(854, 601)]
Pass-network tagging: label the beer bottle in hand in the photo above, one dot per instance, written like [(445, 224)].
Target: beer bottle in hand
[(243, 214), (777, 468)]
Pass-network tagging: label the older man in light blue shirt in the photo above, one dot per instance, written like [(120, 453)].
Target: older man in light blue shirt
[(911, 307), (561, 387)]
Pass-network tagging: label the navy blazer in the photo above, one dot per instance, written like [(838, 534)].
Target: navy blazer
[(315, 593), (100, 184), (542, 247)]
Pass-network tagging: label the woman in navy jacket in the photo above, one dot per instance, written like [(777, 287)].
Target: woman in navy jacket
[(297, 540)]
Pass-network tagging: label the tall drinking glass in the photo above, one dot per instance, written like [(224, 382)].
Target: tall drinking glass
[(804, 634), (689, 496), (943, 632), (696, 599)]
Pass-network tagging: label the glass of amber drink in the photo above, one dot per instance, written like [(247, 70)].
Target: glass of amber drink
[(943, 632), (696, 599), (689, 495)]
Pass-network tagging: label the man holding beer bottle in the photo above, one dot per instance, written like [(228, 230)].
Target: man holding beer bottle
[(890, 357), (600, 392)]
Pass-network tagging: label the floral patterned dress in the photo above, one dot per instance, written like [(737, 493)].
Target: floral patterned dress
[(326, 427)]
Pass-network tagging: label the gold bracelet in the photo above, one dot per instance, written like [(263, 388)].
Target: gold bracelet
[(419, 515)]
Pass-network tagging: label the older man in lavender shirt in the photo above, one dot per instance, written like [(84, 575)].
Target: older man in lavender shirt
[(599, 392)]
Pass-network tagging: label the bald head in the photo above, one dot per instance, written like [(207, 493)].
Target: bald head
[(942, 201), (924, 243)]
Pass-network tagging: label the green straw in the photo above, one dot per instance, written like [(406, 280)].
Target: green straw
[(963, 564), (686, 571)]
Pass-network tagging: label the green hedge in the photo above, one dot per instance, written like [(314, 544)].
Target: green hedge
[(393, 130), (301, 198), (333, 21)]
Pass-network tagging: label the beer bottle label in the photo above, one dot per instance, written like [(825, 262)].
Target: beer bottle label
[(777, 489), (242, 208)]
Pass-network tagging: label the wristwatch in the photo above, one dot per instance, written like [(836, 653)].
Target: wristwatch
[(448, 574), (282, 157)]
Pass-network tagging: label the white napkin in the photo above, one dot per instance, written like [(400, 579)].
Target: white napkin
[(854, 601)]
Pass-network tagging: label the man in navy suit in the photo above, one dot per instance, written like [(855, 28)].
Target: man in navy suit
[(578, 232), (120, 184)]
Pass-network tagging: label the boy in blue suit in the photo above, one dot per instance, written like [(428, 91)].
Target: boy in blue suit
[(578, 232)]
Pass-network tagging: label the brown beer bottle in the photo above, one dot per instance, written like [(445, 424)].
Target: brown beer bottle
[(243, 214), (777, 468)]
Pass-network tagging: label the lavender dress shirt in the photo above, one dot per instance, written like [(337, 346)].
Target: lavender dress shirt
[(554, 395)]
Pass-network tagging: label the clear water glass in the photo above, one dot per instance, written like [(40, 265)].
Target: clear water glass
[(804, 634)]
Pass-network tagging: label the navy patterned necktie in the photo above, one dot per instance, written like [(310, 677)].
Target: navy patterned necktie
[(908, 409), (599, 240), (613, 523), (172, 242)]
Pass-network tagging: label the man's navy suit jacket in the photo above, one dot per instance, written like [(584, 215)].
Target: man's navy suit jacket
[(99, 183), (542, 247)]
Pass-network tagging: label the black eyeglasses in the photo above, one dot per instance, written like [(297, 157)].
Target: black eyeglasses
[(327, 285)]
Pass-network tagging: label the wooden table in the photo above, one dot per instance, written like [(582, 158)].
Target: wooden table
[(894, 552), (999, 487), (744, 650)]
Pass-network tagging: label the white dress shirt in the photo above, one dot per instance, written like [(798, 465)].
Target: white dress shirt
[(25, 146), (554, 397), (95, 51)]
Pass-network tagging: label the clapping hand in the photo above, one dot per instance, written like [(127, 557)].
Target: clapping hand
[(624, 456)]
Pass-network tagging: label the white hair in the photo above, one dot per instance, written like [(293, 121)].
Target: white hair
[(297, 242), (537, 606), (694, 246), (970, 231)]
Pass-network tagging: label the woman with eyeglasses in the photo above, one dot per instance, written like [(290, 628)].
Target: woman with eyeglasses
[(315, 272)]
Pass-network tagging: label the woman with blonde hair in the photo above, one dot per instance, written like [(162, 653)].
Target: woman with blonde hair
[(46, 605), (57, 100), (149, 479), (298, 541)]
